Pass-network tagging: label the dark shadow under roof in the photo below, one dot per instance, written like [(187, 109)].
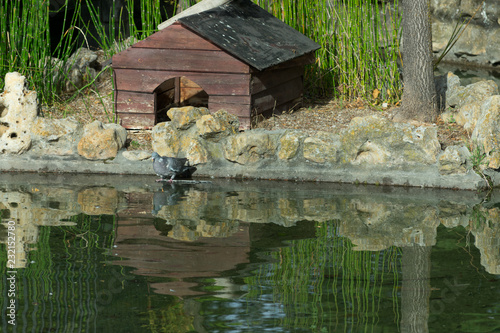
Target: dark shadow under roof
[(250, 33)]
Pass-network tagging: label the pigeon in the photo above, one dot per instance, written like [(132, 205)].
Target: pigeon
[(171, 167)]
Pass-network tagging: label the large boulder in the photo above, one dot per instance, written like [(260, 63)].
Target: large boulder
[(101, 141), (218, 125), (249, 147), (55, 136), (166, 139), (376, 140), (486, 134), (18, 110), (321, 147), (185, 117), (458, 96)]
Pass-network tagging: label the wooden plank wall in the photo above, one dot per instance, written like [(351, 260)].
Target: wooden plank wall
[(177, 52)]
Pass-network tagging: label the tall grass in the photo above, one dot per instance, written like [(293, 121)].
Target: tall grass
[(358, 56), (359, 45), (24, 37), (25, 44)]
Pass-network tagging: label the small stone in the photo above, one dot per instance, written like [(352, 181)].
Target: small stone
[(454, 160), (136, 155)]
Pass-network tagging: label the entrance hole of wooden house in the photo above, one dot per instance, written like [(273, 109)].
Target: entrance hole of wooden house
[(177, 92)]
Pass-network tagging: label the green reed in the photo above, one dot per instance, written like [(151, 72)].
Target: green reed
[(26, 37), (359, 46)]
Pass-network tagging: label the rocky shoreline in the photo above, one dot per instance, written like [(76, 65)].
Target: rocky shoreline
[(371, 150)]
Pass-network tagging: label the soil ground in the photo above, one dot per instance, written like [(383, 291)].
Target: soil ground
[(96, 103)]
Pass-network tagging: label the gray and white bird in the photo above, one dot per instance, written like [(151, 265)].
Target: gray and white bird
[(171, 167)]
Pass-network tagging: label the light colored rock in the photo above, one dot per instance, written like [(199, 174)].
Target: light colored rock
[(217, 126), (195, 150), (321, 147), (468, 115), (136, 155), (184, 117), (454, 160), (486, 134), (55, 136), (165, 139), (458, 96), (18, 110), (290, 144), (377, 140), (101, 141), (249, 147)]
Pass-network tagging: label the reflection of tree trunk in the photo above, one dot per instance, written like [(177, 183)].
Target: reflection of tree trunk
[(415, 290)]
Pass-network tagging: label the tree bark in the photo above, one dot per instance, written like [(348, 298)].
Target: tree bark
[(419, 100)]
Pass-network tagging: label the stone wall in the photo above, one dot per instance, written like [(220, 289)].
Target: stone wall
[(371, 150), (480, 42)]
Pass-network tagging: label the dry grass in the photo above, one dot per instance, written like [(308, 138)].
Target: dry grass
[(96, 103)]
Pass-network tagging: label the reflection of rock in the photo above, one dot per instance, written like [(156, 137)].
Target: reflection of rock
[(22, 209), (374, 225), (486, 230), (100, 201)]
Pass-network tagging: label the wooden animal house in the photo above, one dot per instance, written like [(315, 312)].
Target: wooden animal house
[(235, 56)]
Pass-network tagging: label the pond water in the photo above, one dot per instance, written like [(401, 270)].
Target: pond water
[(125, 254)]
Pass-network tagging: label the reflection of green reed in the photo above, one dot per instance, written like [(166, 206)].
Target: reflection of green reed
[(59, 286), (323, 282)]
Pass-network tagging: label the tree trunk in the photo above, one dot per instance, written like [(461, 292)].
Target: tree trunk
[(419, 100)]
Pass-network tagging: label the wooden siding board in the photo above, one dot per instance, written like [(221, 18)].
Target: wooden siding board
[(213, 83), (221, 99), (176, 37), (277, 95), (285, 107), (179, 60), (236, 109), (269, 79), (131, 102), (136, 120)]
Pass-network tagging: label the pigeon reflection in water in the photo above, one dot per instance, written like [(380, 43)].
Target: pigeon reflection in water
[(171, 167), (170, 195)]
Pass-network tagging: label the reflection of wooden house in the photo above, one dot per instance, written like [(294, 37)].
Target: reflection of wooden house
[(235, 56)]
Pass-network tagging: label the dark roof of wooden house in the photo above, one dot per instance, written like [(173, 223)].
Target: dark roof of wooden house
[(250, 34)]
